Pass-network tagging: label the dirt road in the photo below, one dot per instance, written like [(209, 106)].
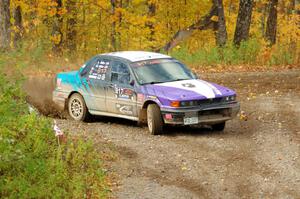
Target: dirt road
[(257, 156)]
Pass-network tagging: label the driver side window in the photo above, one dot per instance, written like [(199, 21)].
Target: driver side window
[(120, 73)]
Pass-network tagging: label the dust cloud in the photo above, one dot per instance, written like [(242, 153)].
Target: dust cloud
[(39, 94)]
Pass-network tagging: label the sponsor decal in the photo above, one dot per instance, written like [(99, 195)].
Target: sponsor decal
[(125, 109), (152, 97), (99, 70), (200, 87), (123, 93), (140, 97), (188, 85)]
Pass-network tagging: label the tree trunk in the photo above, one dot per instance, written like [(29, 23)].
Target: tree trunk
[(18, 25), (203, 23), (56, 29), (221, 34), (272, 22), (150, 24), (113, 26), (71, 25), (4, 25), (263, 19), (243, 21)]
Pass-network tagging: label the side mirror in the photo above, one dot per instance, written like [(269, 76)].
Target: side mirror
[(83, 72), (196, 76), (132, 83)]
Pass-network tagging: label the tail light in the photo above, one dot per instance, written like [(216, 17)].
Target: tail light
[(58, 83)]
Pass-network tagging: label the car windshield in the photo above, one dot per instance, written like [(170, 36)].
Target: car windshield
[(160, 71)]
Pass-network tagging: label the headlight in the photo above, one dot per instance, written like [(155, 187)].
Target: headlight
[(230, 98), (188, 103)]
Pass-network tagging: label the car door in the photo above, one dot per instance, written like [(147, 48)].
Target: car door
[(120, 95), (94, 82)]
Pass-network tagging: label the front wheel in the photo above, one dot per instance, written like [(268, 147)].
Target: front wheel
[(218, 127), (77, 108), (154, 119)]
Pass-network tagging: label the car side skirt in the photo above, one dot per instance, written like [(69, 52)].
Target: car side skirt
[(100, 113)]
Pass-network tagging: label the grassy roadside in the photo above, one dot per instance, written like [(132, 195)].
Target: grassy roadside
[(33, 164), (252, 56)]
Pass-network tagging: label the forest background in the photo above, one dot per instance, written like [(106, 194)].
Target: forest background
[(199, 32)]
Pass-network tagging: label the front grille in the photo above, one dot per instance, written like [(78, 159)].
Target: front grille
[(204, 102), (209, 101)]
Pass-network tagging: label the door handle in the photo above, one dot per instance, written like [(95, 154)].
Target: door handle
[(111, 86)]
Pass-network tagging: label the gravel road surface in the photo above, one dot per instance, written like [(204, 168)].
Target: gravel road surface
[(257, 156)]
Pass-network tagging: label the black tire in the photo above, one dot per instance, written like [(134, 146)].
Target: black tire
[(154, 119), (77, 108), (219, 127)]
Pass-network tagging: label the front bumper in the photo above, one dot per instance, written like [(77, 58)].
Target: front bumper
[(206, 115)]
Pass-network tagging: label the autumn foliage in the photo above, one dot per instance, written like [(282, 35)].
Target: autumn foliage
[(87, 27)]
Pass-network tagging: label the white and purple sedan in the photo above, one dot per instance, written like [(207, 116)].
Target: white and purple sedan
[(146, 87)]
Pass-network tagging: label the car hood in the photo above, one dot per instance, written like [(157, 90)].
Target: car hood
[(188, 90)]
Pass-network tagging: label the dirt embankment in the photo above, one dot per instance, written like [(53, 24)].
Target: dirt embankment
[(256, 157)]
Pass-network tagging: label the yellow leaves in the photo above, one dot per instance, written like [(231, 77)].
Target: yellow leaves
[(53, 11), (215, 18), (137, 28), (62, 11), (137, 2), (56, 39), (50, 13), (104, 4), (243, 116), (288, 29), (36, 22)]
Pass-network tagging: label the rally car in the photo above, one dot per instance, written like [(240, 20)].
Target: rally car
[(147, 87)]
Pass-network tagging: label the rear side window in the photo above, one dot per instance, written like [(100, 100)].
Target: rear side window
[(99, 69), (120, 73), (87, 67)]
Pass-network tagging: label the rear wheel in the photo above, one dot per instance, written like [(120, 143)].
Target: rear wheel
[(154, 119), (77, 108), (218, 127)]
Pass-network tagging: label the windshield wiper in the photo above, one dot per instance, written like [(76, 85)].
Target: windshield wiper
[(158, 82), (155, 82), (179, 79)]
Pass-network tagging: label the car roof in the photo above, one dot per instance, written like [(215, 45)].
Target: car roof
[(135, 56)]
